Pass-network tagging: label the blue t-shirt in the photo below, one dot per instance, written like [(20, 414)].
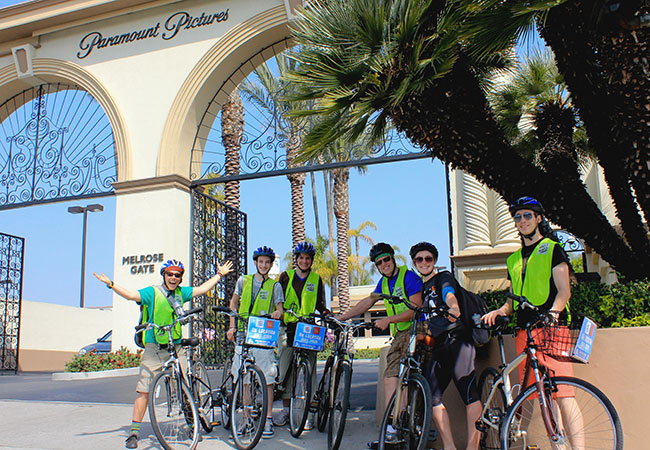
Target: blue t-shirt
[(412, 283), (147, 296)]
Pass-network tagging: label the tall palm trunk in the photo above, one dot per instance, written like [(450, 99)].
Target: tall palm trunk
[(232, 132), (297, 181), (453, 120), (328, 179), (314, 199), (342, 213)]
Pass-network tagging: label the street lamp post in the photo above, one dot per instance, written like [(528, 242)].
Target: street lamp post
[(84, 210)]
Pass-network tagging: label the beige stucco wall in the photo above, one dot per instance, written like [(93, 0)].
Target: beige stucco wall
[(51, 334)]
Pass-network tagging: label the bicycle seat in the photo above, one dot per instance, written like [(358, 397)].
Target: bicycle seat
[(190, 342)]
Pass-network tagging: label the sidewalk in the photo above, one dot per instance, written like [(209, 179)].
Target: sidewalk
[(36, 425)]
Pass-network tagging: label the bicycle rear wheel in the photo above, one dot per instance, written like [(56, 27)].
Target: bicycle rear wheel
[(340, 405), (323, 396), (203, 396), (414, 421), (300, 398), (225, 392), (584, 419), (493, 414), (248, 408), (173, 414)]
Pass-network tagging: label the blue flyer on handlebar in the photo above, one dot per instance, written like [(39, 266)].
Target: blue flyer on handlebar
[(310, 337), (262, 332), (585, 340)]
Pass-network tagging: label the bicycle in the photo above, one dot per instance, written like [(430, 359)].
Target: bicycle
[(413, 420), (301, 387), (537, 418), (249, 400), (172, 409), (332, 397)]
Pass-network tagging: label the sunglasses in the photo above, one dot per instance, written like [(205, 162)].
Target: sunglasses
[(173, 275), (381, 261), (527, 216), (420, 259)]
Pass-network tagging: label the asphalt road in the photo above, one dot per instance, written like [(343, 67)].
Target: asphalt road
[(121, 390)]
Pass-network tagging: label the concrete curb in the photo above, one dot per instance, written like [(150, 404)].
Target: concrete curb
[(70, 376)]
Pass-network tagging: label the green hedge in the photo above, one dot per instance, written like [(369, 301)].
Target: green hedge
[(623, 304), (94, 362), (360, 353)]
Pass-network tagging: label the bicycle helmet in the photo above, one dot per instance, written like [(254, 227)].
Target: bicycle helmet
[(526, 203), (172, 264), (379, 249), (264, 251), (424, 246), (304, 247)]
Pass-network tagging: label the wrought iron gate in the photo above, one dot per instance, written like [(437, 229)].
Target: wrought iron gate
[(218, 234), (11, 286)]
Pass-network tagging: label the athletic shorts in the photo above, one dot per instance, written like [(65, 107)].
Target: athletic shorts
[(152, 362), (453, 361), (556, 368), (398, 349)]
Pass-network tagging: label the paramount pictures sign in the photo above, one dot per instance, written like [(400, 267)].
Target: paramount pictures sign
[(172, 27)]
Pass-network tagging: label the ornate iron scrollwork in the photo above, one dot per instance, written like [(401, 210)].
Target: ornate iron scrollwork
[(11, 284), (55, 143)]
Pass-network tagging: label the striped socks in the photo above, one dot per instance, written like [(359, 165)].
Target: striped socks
[(135, 427)]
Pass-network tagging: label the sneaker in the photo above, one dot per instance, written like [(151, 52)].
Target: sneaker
[(245, 428), (132, 441), (282, 418), (268, 432), (391, 434), (309, 423)]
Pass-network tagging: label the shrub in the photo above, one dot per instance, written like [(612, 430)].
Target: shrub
[(623, 304), (94, 362)]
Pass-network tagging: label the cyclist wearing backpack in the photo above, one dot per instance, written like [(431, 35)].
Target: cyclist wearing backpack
[(538, 271), (257, 295), (163, 304), (453, 353), (401, 282), (304, 293)]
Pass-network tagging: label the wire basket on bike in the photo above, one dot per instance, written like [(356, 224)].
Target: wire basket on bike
[(558, 341)]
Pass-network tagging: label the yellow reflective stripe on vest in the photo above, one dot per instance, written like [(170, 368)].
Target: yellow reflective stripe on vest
[(535, 285), (307, 302), (163, 314), (399, 290), (262, 301)]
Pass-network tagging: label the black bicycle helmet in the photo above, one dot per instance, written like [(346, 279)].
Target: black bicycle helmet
[(526, 203), (172, 264), (424, 246), (304, 247), (264, 251), (381, 248)]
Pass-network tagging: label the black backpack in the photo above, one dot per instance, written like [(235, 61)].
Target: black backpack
[(472, 308), (139, 335)]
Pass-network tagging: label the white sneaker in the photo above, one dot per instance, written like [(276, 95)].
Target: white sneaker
[(282, 418), (268, 432), (309, 424)]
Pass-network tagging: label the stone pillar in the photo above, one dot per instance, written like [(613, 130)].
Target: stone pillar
[(152, 223)]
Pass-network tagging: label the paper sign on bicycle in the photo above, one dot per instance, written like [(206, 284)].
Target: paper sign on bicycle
[(310, 337), (262, 332), (585, 340)]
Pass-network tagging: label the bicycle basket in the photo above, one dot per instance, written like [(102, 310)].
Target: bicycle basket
[(568, 343)]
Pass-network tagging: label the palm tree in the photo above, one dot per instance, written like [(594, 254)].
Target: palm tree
[(417, 64), (232, 132), (269, 94), (357, 234)]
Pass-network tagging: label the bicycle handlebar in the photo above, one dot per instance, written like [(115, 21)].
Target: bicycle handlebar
[(182, 319), (425, 309)]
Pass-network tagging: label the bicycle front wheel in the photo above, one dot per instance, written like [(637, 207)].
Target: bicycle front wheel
[(248, 408), (583, 418), (203, 396), (323, 394), (493, 414), (413, 423), (300, 398), (173, 414), (340, 405)]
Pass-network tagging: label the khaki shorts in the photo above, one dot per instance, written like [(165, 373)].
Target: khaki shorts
[(152, 362), (398, 349), (264, 359)]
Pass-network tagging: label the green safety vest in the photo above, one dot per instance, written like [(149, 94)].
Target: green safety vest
[(535, 285), (163, 314), (262, 301), (307, 302), (400, 291)]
